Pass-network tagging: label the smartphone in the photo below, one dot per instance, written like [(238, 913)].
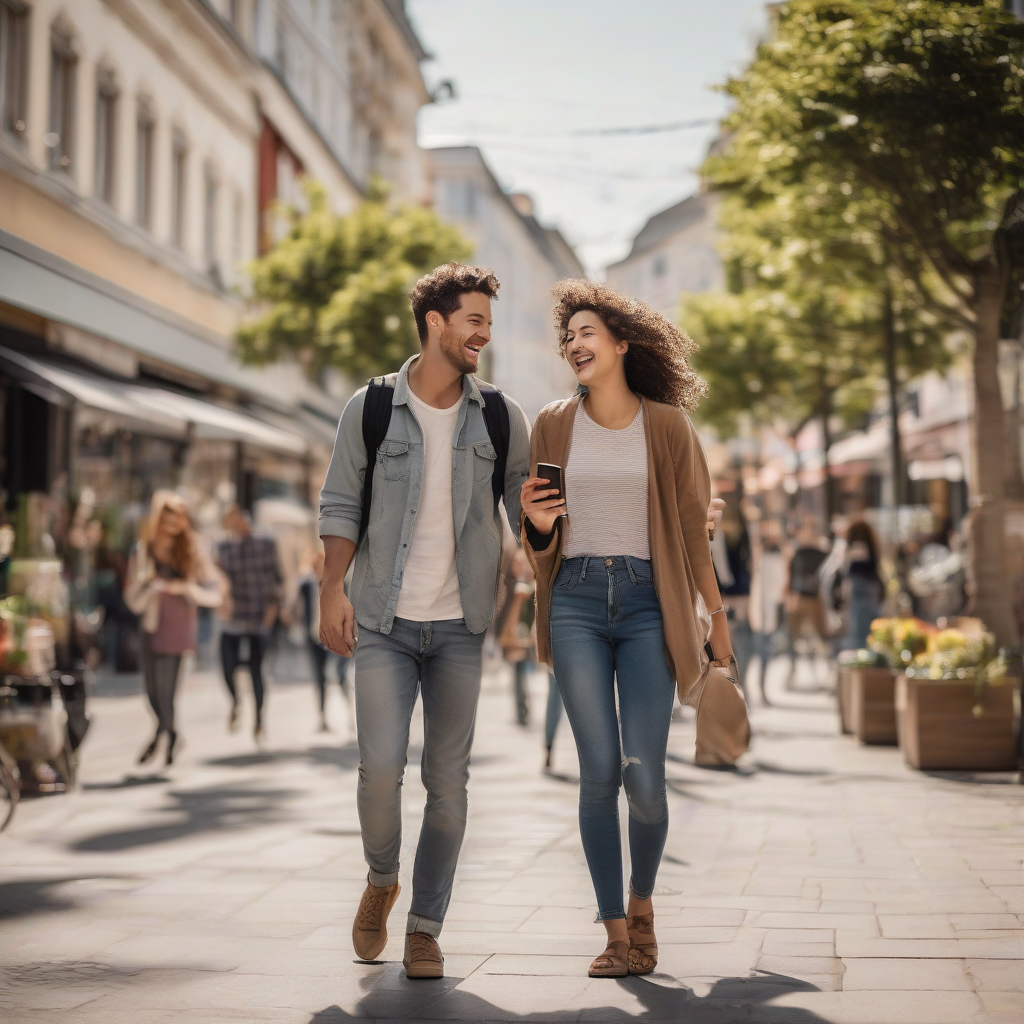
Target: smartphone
[(553, 474)]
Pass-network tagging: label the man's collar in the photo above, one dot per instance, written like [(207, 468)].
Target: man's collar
[(470, 388)]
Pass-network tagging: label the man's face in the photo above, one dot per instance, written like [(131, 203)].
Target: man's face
[(466, 331)]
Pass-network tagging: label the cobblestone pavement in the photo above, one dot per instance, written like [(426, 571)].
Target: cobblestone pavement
[(820, 882)]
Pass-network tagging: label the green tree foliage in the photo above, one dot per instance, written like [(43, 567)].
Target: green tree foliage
[(918, 106), (335, 289)]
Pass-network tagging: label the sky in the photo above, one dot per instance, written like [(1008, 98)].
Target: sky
[(539, 84)]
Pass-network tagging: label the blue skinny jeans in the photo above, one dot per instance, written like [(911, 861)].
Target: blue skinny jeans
[(606, 626)]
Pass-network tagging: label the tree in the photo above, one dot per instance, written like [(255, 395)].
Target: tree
[(825, 311), (335, 289), (921, 104)]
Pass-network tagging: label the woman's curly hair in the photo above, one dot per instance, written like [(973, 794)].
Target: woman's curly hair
[(657, 363)]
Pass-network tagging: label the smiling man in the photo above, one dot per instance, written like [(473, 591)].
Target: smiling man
[(420, 462)]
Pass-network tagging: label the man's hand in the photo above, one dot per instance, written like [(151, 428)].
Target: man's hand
[(715, 512), (338, 631)]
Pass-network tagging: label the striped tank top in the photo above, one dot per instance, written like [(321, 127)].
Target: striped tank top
[(606, 490)]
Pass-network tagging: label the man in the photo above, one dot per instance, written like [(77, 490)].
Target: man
[(803, 590), (250, 563), (422, 594)]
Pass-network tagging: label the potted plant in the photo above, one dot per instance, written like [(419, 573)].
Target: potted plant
[(848, 662), (873, 687), (956, 704)]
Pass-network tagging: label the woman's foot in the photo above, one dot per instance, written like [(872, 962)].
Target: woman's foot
[(324, 727), (643, 945), (233, 718), (547, 760), (173, 747), (259, 735), (613, 962), (147, 755)]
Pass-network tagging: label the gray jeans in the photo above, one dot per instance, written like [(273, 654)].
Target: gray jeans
[(160, 672), (443, 660)]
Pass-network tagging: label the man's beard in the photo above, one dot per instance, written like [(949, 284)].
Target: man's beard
[(453, 346)]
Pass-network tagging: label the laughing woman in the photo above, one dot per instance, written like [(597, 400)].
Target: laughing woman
[(634, 544)]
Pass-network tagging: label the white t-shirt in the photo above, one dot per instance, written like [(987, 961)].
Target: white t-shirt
[(430, 584)]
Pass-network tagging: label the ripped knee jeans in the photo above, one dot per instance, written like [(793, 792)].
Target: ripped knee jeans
[(607, 635)]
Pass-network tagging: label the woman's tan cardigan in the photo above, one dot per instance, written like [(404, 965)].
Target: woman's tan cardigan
[(679, 490)]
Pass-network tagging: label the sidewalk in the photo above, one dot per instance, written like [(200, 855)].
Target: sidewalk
[(820, 882)]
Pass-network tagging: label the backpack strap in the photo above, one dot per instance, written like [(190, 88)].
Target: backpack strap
[(498, 430), (376, 419)]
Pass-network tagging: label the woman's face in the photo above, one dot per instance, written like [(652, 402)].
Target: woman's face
[(173, 521), (594, 354)]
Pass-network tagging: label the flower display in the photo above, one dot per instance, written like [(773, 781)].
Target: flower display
[(900, 640)]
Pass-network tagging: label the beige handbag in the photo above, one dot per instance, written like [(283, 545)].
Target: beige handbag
[(723, 729)]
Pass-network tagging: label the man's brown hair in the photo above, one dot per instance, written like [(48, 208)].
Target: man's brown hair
[(442, 289)]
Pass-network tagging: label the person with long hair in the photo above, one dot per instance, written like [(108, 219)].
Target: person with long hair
[(862, 584), (168, 579), (619, 582)]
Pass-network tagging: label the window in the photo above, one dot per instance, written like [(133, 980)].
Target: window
[(106, 134), (63, 75), (13, 66), (210, 191), (179, 187), (236, 228), (659, 265), (145, 129), (281, 46)]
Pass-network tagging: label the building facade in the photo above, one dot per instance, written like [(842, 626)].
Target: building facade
[(142, 147), (528, 259), (674, 254)]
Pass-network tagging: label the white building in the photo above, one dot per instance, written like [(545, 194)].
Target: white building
[(141, 144), (528, 259), (673, 254)]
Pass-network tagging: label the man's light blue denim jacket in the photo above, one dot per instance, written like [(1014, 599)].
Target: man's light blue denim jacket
[(397, 482)]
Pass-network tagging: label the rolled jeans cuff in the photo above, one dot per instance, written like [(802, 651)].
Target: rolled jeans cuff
[(380, 880), (423, 924)]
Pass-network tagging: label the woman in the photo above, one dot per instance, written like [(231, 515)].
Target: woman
[(862, 584), (167, 581), (635, 542)]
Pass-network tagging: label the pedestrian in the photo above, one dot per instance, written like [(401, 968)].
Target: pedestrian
[(518, 645), (730, 549), (250, 563), (319, 656), (636, 493), (168, 579), (862, 584), (805, 609), (767, 589), (421, 460)]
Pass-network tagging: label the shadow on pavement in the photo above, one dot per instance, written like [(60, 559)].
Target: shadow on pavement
[(22, 899), (128, 782), (979, 778), (198, 811), (730, 1001)]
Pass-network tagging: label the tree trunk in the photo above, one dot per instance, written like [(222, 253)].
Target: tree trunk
[(896, 448), (1014, 474), (992, 601), (826, 444)]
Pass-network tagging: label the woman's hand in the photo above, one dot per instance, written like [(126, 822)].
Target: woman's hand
[(721, 645), (541, 504)]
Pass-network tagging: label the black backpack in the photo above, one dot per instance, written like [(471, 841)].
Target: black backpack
[(377, 418)]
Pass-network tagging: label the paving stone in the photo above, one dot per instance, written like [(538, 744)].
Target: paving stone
[(916, 926), (905, 974), (996, 975)]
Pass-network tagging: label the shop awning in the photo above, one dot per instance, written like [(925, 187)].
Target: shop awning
[(63, 386), (144, 407), (216, 422)]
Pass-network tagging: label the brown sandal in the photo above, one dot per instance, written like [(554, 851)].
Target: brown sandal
[(612, 963), (643, 946)]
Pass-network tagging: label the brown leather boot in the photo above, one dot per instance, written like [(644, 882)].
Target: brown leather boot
[(369, 929), (423, 956)]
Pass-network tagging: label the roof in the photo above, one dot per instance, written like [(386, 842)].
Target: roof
[(397, 10), (668, 222)]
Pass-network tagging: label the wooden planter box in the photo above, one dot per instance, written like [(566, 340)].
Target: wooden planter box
[(939, 729), (843, 697), (873, 704)]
